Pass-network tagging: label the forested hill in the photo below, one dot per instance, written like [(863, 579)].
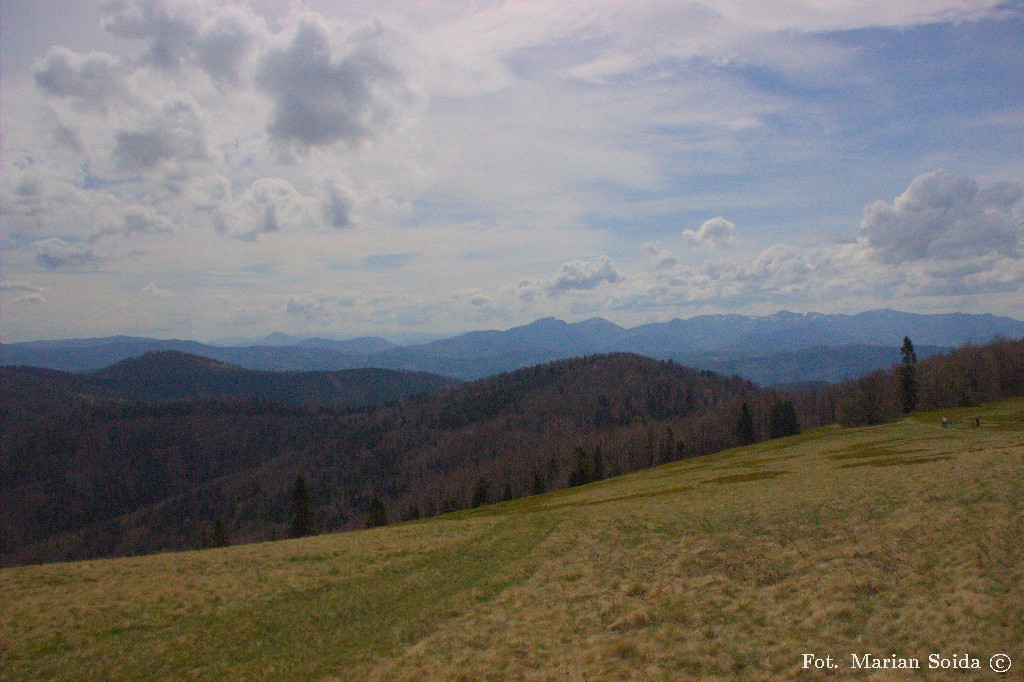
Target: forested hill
[(172, 375), (84, 477)]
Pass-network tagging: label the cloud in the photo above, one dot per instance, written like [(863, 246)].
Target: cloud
[(139, 151), (55, 253), (584, 275), (132, 221), (91, 79), (945, 216), (177, 132), (577, 275), (19, 285), (659, 258), (25, 293), (316, 306), (480, 300), (267, 206), (716, 233), (337, 208), (320, 99), (152, 289), (216, 38)]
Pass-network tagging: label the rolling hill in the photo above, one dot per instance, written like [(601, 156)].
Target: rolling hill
[(902, 540), (173, 375), (83, 477)]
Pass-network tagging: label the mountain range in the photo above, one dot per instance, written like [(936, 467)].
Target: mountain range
[(780, 348)]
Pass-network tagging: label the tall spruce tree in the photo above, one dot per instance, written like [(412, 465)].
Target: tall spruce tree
[(302, 510), (221, 537), (908, 375), (377, 513), (782, 419), (745, 434)]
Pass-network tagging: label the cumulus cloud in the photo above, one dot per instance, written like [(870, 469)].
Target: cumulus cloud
[(91, 79), (716, 233), (577, 275), (267, 206), (943, 236), (217, 39), (55, 253), (659, 257), (320, 98), (177, 132), (945, 216), (337, 207), (481, 300)]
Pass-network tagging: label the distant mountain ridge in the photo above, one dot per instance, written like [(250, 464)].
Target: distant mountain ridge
[(173, 375), (847, 345)]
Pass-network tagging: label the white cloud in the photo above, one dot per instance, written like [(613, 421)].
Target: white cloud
[(152, 289), (716, 233), (577, 275), (659, 257), (55, 253), (945, 216), (267, 206)]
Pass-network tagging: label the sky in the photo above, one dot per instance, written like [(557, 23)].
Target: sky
[(212, 170)]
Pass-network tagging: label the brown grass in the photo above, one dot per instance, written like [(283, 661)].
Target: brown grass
[(691, 571)]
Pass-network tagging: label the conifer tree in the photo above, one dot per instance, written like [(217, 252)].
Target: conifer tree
[(220, 533), (302, 510), (908, 376), (745, 434), (480, 493), (782, 420), (377, 513)]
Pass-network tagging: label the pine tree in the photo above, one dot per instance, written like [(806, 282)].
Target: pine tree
[(745, 434), (908, 376), (220, 533), (539, 488), (581, 474), (480, 493), (376, 514), (782, 420), (302, 510)]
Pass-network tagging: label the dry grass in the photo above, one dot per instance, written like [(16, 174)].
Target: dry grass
[(726, 567)]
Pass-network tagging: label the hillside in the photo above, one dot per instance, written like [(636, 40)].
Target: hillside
[(173, 375), (83, 478), (905, 539)]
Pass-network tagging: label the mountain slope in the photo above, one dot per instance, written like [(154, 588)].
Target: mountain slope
[(170, 375), (148, 478), (721, 567)]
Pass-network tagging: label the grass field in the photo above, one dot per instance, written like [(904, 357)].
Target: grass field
[(905, 539)]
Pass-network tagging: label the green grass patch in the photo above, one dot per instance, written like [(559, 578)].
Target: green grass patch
[(743, 478)]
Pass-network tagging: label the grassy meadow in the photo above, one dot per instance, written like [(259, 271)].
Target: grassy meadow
[(903, 539)]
